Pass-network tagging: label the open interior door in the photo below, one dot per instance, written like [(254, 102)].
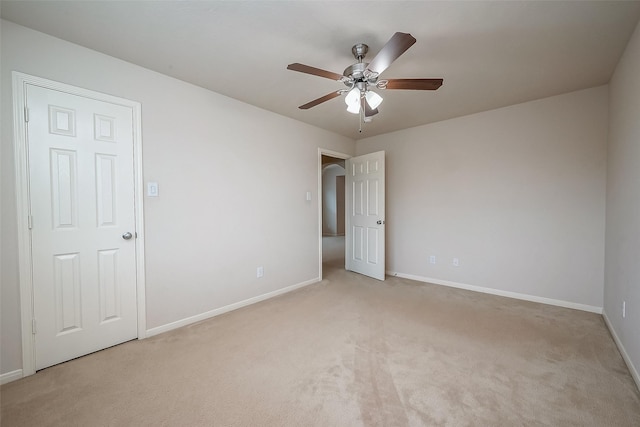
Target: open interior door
[(365, 242)]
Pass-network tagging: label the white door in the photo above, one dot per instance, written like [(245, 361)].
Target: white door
[(365, 246), (81, 182)]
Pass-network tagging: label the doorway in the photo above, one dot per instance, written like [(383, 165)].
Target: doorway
[(331, 201)]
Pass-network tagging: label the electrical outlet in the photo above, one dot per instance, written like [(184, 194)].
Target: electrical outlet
[(456, 262), (259, 272), (624, 309), (432, 259)]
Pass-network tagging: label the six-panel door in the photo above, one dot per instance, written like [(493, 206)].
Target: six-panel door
[(365, 243), (81, 182)]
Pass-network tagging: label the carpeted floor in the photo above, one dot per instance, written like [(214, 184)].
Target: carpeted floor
[(348, 351)]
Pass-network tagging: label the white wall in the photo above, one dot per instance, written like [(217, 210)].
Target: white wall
[(229, 173), (329, 199), (622, 265), (517, 194)]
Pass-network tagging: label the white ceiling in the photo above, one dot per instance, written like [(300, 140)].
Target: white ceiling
[(490, 54)]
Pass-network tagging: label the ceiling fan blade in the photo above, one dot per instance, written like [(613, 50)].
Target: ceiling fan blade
[(320, 100), (396, 46), (414, 84), (314, 71)]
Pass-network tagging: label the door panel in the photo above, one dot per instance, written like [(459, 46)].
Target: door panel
[(67, 302), (81, 181), (365, 243)]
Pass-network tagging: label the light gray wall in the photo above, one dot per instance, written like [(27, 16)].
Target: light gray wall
[(517, 194), (227, 173), (622, 265)]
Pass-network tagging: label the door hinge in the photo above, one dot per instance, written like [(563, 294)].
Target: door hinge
[(34, 329), (30, 222), (26, 114)]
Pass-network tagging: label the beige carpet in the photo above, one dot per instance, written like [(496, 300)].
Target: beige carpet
[(349, 351)]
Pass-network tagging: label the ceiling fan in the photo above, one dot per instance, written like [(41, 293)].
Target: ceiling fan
[(361, 76)]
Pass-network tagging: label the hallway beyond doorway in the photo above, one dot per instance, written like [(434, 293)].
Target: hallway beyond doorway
[(332, 252)]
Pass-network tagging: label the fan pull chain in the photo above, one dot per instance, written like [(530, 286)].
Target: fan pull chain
[(362, 101)]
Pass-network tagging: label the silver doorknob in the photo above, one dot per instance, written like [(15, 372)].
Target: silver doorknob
[(127, 236), (380, 222)]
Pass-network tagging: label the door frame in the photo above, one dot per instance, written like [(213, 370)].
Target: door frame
[(337, 155), (21, 163)]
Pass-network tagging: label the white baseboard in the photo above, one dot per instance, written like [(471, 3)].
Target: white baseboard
[(10, 376), (623, 351), (218, 311), (499, 292)]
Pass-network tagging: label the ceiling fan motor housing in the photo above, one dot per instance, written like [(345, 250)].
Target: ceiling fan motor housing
[(356, 73)]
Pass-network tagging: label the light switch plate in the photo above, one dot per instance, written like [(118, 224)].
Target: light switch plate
[(152, 189)]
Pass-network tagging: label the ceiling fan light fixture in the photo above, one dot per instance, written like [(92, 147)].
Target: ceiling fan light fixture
[(354, 108), (373, 99), (353, 101)]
